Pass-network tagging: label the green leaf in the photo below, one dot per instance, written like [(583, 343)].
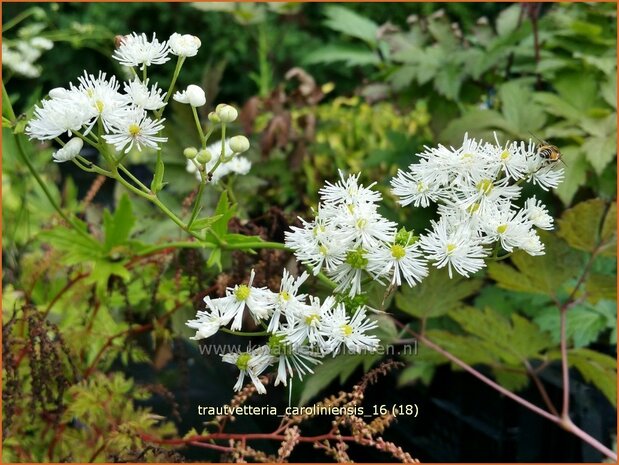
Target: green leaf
[(609, 90), (225, 212), (117, 227), (203, 223), (214, 259), (600, 151), (476, 122), (510, 379), (519, 108), (429, 298), (597, 369), (601, 287), (350, 23), (581, 93), (468, 349), (585, 226), (508, 19), (418, 371), (512, 342), (327, 372), (353, 55), (76, 248), (557, 106), (575, 176), (239, 239), (543, 274), (157, 182), (584, 324)]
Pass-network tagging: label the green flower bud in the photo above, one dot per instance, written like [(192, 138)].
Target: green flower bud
[(204, 156), (239, 144), (190, 153), (213, 118), (226, 113)]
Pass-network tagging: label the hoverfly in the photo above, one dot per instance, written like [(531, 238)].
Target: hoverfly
[(548, 152)]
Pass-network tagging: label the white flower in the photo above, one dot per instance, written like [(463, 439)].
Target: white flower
[(509, 227), (184, 45), (454, 247), (55, 117), (257, 300), (193, 95), (398, 261), (546, 175), (69, 151), (137, 50), (102, 95), (362, 225), (135, 128), (349, 273), (143, 97), (409, 187), (532, 244), (286, 302), (290, 361), (538, 214), (251, 364), (207, 323), (41, 43), (348, 191), (350, 332), (307, 325), (316, 244)]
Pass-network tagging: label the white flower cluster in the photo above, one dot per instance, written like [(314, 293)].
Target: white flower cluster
[(231, 164), (475, 186), (123, 114), (21, 56), (349, 236), (301, 328)]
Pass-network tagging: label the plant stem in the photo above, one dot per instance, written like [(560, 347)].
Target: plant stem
[(566, 423), (177, 70), (196, 118), (565, 369), (18, 19), (198, 201), (134, 179), (46, 191), (244, 333), (7, 106)]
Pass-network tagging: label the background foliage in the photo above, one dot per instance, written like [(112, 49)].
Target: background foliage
[(94, 342)]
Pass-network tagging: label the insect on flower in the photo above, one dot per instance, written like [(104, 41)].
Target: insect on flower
[(548, 151)]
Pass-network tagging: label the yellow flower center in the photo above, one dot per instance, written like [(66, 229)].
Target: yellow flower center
[(285, 296), (505, 155), (134, 129), (361, 223), (397, 251), (347, 330), (485, 186), (242, 292), (451, 248), (243, 361), (473, 208), (99, 104), (501, 229), (323, 250), (311, 319)]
